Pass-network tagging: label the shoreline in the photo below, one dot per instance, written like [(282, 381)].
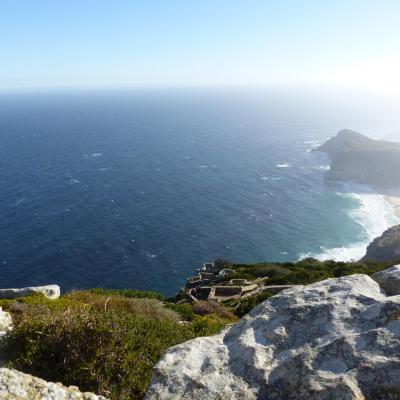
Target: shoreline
[(373, 220), (395, 202)]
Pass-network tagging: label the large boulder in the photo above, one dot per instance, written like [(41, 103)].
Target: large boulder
[(15, 385), (50, 291), (389, 280), (336, 339)]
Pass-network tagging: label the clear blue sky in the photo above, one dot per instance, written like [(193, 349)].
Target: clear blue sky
[(199, 42)]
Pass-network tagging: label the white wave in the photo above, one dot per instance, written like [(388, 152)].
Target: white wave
[(325, 167), (271, 178), (203, 166), (74, 181), (312, 144), (97, 154), (21, 200), (283, 165), (374, 214), (151, 255)]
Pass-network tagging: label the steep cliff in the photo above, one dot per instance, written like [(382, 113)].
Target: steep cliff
[(355, 157), (385, 247)]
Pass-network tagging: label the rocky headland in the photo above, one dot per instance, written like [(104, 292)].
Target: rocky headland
[(357, 158), (385, 247)]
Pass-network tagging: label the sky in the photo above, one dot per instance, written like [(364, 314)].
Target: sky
[(200, 43)]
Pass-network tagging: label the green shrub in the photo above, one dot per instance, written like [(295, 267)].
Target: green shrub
[(130, 293), (100, 341), (204, 308), (184, 310), (247, 304), (110, 353), (145, 307), (209, 324)]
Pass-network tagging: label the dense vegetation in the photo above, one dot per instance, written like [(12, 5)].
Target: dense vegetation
[(102, 341), (108, 341), (302, 272)]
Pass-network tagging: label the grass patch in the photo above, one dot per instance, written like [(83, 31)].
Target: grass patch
[(129, 293)]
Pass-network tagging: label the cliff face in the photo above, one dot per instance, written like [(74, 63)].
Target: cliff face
[(386, 247), (355, 157), (336, 339)]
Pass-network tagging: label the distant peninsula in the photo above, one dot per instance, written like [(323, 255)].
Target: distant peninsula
[(357, 158)]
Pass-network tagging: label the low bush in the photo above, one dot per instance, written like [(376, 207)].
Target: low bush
[(145, 307), (247, 304), (107, 352), (210, 324), (99, 341), (206, 308), (185, 310), (130, 293)]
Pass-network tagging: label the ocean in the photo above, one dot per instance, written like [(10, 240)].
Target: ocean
[(137, 188)]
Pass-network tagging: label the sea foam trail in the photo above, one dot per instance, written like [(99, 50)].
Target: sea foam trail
[(374, 214)]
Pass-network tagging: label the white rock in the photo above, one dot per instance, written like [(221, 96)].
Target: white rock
[(336, 339), (50, 291), (15, 385), (5, 322), (389, 279)]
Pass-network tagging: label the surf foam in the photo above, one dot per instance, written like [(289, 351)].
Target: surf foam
[(374, 214)]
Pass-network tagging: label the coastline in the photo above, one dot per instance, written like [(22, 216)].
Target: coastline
[(395, 202), (377, 210)]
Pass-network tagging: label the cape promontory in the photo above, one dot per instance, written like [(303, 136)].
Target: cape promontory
[(357, 158)]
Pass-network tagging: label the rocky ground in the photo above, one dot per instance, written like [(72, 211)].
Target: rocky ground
[(335, 339)]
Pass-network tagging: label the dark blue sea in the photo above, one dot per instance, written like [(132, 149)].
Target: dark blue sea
[(136, 188)]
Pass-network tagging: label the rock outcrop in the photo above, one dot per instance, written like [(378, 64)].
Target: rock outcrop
[(5, 322), (15, 385), (389, 280), (355, 157), (385, 247), (336, 339), (50, 291)]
